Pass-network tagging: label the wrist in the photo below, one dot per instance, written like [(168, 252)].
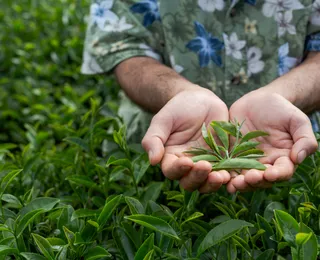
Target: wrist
[(299, 86)]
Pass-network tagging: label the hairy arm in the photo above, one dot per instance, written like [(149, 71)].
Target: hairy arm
[(300, 86), (149, 83)]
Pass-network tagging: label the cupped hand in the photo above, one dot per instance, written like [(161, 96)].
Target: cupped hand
[(175, 129), (290, 138)]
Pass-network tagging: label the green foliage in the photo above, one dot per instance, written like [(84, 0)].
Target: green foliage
[(72, 187), (240, 154)]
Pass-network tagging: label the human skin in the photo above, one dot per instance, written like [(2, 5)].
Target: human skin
[(181, 107)]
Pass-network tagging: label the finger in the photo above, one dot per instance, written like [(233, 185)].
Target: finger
[(282, 169), (196, 177), (305, 142), (157, 134), (255, 177), (214, 181), (174, 167), (239, 184)]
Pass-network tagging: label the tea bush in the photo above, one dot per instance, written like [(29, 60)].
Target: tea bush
[(72, 187)]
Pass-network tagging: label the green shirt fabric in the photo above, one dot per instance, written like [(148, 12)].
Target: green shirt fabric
[(231, 47)]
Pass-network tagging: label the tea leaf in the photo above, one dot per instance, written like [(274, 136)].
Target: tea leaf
[(205, 157), (108, 210), (266, 255), (135, 206), (96, 252), (253, 134), (26, 220), (146, 247), (154, 223), (32, 256), (309, 246), (7, 180), (263, 224), (79, 142), (208, 138), (254, 152), (302, 238), (242, 243), (149, 256), (223, 136), (244, 147), (222, 232), (192, 217), (44, 246), (228, 127), (238, 163), (289, 227), (6, 250), (45, 203), (84, 213), (123, 243)]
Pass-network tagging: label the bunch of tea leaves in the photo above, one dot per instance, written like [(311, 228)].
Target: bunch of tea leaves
[(242, 154)]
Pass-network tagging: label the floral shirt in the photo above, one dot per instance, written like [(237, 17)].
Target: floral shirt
[(229, 46)]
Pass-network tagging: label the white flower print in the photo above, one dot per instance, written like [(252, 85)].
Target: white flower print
[(89, 65), (315, 17), (233, 45), (100, 13), (152, 54), (175, 66), (118, 46), (211, 5), (255, 65), (117, 25), (271, 7), (283, 19)]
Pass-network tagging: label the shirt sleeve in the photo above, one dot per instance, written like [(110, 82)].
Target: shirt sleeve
[(312, 42), (118, 30)]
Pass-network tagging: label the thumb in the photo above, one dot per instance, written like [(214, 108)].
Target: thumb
[(304, 139), (157, 135)]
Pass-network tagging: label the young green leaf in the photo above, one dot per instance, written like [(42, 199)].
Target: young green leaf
[(7, 180), (266, 255), (207, 138), (205, 157), (108, 210), (309, 245), (238, 163), (251, 152), (44, 246), (149, 256), (263, 224), (135, 205), (222, 232), (45, 203), (79, 142), (123, 242), (228, 127), (84, 213), (192, 217), (223, 136), (253, 134), (289, 227), (6, 250), (146, 247), (154, 223), (244, 147), (302, 238), (96, 252), (32, 256), (26, 219)]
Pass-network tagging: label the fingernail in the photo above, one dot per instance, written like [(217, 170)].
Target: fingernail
[(301, 156), (150, 155)]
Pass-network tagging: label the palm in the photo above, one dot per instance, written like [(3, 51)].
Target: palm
[(177, 128), (289, 132)]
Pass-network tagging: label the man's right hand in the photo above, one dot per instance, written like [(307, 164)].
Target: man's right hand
[(176, 128)]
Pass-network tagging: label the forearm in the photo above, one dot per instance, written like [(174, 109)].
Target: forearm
[(149, 83), (301, 86)]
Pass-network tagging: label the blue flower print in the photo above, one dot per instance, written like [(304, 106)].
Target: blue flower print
[(206, 46), (286, 63), (100, 13), (251, 2), (150, 10), (313, 42)]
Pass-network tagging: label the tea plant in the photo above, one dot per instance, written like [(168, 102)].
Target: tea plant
[(242, 154), (72, 187)]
